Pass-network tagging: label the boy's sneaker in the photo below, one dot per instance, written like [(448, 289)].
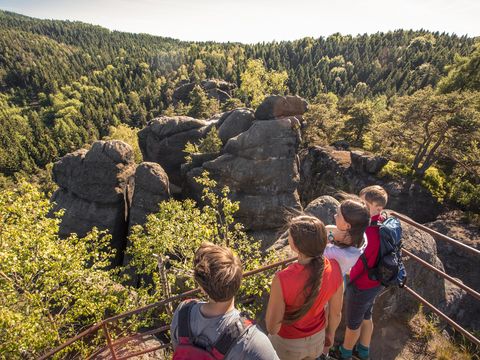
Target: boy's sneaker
[(336, 354), (357, 356)]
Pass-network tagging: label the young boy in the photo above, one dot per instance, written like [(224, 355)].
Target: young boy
[(362, 291), (218, 272)]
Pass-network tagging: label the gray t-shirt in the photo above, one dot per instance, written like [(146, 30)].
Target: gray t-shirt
[(253, 345)]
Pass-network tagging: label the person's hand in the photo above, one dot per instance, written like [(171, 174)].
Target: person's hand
[(328, 340)]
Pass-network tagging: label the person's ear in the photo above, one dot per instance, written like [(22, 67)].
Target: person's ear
[(348, 226)]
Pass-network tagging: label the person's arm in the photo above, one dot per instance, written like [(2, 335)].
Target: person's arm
[(334, 315), (275, 308)]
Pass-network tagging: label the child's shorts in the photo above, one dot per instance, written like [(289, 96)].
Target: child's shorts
[(309, 347), (359, 305)]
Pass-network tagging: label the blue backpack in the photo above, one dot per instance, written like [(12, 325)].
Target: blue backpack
[(389, 269)]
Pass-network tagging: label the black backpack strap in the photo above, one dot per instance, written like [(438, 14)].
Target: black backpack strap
[(230, 335), (183, 327)]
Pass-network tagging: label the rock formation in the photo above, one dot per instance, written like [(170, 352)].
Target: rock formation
[(216, 89), (260, 167), (233, 123), (325, 171), (276, 106), (151, 186), (92, 190), (164, 139)]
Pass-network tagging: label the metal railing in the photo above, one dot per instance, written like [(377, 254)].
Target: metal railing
[(442, 274), (111, 344)]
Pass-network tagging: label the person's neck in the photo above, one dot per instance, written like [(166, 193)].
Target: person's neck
[(375, 213), (213, 308), (303, 259)]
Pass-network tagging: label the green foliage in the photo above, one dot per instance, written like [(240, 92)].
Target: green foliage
[(435, 181), (209, 144), (257, 83), (323, 121), (50, 287), (424, 126), (395, 170), (358, 122), (232, 104), (463, 74), (178, 229), (201, 106), (128, 135), (466, 194)]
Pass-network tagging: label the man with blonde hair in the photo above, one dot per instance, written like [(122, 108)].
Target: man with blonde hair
[(215, 329)]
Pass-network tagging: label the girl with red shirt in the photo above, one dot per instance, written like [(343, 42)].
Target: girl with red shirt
[(295, 316)]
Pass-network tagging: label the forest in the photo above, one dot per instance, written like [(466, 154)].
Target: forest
[(411, 96), (65, 84)]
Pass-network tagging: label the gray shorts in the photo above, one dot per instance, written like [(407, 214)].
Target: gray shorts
[(359, 305)]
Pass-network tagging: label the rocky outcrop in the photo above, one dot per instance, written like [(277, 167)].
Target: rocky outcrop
[(92, 190), (460, 263), (324, 208), (363, 162), (163, 141), (151, 186), (260, 167), (233, 123), (132, 346), (276, 106), (216, 89), (325, 171)]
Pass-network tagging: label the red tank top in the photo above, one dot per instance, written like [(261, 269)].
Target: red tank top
[(292, 280)]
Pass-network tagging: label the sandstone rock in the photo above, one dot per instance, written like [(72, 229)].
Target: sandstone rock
[(164, 139), (92, 190), (324, 208), (218, 94), (325, 171), (133, 346), (236, 122), (217, 89), (367, 163), (151, 187), (260, 167), (276, 106)]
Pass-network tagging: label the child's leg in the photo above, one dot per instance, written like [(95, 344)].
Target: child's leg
[(327, 346), (366, 332)]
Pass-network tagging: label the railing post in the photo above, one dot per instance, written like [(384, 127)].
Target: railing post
[(109, 341)]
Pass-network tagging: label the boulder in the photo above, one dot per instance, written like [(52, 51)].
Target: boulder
[(234, 123), (367, 163), (151, 186), (92, 190), (163, 141), (324, 208), (276, 106)]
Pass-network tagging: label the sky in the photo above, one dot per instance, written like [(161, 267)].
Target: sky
[(251, 21)]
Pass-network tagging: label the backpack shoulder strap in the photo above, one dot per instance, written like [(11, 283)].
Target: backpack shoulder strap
[(227, 339), (184, 330)]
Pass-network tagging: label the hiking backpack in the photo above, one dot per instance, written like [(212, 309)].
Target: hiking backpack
[(389, 269), (189, 348)]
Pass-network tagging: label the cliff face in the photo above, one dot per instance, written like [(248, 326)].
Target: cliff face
[(325, 171), (92, 187)]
